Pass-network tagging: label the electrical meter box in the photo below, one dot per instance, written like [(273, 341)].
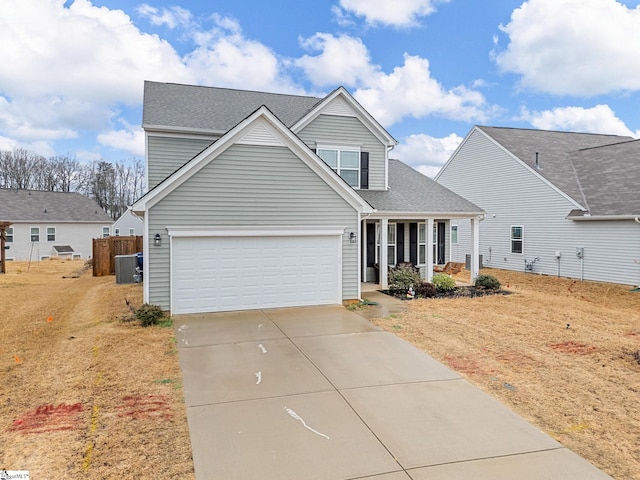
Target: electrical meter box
[(580, 252)]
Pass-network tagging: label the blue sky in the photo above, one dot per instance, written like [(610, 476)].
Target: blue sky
[(428, 70)]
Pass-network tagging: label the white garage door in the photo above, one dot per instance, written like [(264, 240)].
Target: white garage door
[(214, 274)]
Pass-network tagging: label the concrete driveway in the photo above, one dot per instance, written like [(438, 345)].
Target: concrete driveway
[(320, 393)]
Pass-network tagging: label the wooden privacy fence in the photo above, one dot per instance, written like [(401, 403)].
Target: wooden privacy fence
[(106, 249)]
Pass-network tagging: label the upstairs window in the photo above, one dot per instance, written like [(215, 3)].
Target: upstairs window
[(105, 232), (517, 238), (344, 161), (51, 234), (35, 234), (8, 235)]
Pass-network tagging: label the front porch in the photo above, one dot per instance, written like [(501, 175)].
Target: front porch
[(423, 242)]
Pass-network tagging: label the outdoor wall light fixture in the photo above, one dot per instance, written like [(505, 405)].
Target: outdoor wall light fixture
[(352, 237), (157, 240)]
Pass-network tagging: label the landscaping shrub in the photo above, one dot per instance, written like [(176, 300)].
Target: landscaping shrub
[(443, 282), (402, 277), (488, 282), (426, 290), (149, 314)]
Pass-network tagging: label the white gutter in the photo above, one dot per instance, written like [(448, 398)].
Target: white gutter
[(587, 218)]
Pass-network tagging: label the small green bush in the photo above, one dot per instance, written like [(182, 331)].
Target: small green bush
[(488, 282), (402, 277), (426, 290), (443, 282), (149, 314)]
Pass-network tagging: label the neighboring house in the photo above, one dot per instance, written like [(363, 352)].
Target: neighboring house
[(51, 224), (127, 225), (557, 203), (260, 200)]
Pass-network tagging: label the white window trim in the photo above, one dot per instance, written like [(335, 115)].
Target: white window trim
[(54, 234), (457, 230), (511, 239), (8, 233), (31, 235), (106, 229), (391, 261), (343, 148), (116, 232), (423, 243), (132, 232)]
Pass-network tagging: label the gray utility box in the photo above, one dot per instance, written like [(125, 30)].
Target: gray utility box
[(126, 268), (467, 261)]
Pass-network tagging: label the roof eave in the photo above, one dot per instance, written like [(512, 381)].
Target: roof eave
[(404, 215), (587, 218), (171, 129)]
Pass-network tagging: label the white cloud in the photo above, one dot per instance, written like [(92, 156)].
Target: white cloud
[(411, 91), (172, 17), (37, 147), (573, 47), (70, 66), (343, 60), (74, 66), (425, 153), (399, 13), (84, 52), (130, 140), (224, 57), (598, 119)]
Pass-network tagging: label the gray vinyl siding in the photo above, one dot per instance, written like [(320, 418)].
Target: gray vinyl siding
[(251, 186), (167, 154), (338, 130), (511, 194)]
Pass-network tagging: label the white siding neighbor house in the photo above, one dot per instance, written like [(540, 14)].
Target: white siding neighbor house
[(556, 203), (127, 225), (261, 200), (50, 224)]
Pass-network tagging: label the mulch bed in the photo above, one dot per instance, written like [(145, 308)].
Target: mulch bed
[(459, 292)]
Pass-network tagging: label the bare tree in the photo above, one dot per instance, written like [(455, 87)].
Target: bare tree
[(114, 186)]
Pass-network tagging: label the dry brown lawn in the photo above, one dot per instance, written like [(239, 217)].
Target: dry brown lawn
[(84, 395), (563, 354)]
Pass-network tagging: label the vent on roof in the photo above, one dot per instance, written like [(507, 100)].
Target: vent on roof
[(537, 164)]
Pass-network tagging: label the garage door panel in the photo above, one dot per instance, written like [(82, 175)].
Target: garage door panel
[(234, 273)]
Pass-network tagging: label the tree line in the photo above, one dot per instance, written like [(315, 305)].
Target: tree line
[(113, 185)]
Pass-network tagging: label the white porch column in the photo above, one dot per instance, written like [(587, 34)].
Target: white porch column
[(429, 250), (384, 261), (475, 249), (363, 251)]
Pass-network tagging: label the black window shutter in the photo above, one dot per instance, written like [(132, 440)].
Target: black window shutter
[(399, 242), (413, 243), (364, 170)]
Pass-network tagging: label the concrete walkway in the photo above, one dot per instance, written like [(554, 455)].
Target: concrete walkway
[(320, 393)]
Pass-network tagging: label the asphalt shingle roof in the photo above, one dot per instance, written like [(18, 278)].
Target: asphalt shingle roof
[(590, 168), (610, 178), (410, 191), (215, 109), (19, 206)]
